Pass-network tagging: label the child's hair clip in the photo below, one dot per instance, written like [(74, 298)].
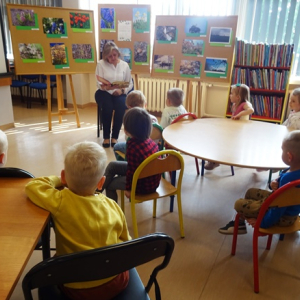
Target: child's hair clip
[(237, 84)]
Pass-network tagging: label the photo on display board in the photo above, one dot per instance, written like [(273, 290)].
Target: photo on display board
[(126, 55), (192, 47), (107, 20), (54, 27), (190, 68), (166, 34), (24, 19), (141, 53), (163, 63), (82, 53), (141, 20), (31, 52), (216, 67), (58, 54), (195, 26), (220, 36), (80, 22)]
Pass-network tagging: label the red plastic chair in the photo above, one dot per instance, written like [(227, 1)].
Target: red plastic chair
[(287, 195)]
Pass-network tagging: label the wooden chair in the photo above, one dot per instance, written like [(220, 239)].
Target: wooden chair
[(157, 163), (287, 195), (102, 263)]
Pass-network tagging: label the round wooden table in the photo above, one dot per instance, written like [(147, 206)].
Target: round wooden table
[(248, 144)]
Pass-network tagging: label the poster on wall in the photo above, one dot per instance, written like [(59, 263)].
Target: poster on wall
[(24, 19), (216, 67), (54, 27), (141, 19), (198, 48), (63, 41), (128, 26), (220, 36)]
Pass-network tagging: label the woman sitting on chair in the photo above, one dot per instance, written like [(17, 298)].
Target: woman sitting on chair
[(112, 96)]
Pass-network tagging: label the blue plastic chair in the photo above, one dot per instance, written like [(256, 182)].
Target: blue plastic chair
[(20, 84), (40, 87)]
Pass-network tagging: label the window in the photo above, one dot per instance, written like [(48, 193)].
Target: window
[(274, 21)]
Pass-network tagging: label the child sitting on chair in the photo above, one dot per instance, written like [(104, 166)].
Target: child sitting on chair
[(3, 148), (134, 99), (254, 198), (241, 110), (119, 174), (83, 220), (293, 120), (174, 107)]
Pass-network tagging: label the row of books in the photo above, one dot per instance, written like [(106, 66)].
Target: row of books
[(263, 54), (261, 78), (267, 106)]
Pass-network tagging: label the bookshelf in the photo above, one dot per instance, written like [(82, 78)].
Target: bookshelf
[(265, 68)]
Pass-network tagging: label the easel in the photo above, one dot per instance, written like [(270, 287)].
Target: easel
[(61, 110)]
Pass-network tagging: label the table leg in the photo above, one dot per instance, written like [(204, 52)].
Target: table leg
[(46, 242)]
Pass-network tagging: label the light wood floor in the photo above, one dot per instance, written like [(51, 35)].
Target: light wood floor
[(201, 266)]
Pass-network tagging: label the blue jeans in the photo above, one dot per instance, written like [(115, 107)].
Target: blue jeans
[(110, 103), (115, 173)]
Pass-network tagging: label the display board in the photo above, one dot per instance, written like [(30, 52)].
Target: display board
[(52, 40), (129, 27), (194, 47)]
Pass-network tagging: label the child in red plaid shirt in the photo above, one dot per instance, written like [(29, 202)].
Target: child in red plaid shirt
[(119, 174)]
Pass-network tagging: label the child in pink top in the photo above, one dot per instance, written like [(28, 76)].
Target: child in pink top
[(241, 110), (241, 107)]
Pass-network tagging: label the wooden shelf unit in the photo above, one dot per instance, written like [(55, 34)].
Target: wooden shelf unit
[(268, 83)]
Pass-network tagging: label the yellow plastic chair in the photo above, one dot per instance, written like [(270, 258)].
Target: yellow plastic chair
[(157, 163)]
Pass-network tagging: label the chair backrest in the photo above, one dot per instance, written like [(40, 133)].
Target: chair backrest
[(186, 116), (158, 163), (286, 195), (156, 135), (100, 263), (15, 172)]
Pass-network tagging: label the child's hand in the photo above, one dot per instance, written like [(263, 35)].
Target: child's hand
[(274, 185), (127, 194), (235, 118), (251, 221)]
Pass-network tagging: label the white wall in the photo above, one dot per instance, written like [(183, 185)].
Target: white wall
[(6, 110)]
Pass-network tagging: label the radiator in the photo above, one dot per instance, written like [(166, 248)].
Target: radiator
[(155, 91)]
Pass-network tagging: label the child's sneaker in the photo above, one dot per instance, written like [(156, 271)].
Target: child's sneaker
[(229, 228), (211, 165)]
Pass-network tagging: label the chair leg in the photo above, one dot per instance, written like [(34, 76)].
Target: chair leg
[(281, 237), (122, 201), (270, 176), (255, 263), (154, 207), (235, 234), (98, 121), (134, 221), (197, 165), (180, 214), (173, 182), (232, 170), (269, 242), (21, 94), (202, 167)]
